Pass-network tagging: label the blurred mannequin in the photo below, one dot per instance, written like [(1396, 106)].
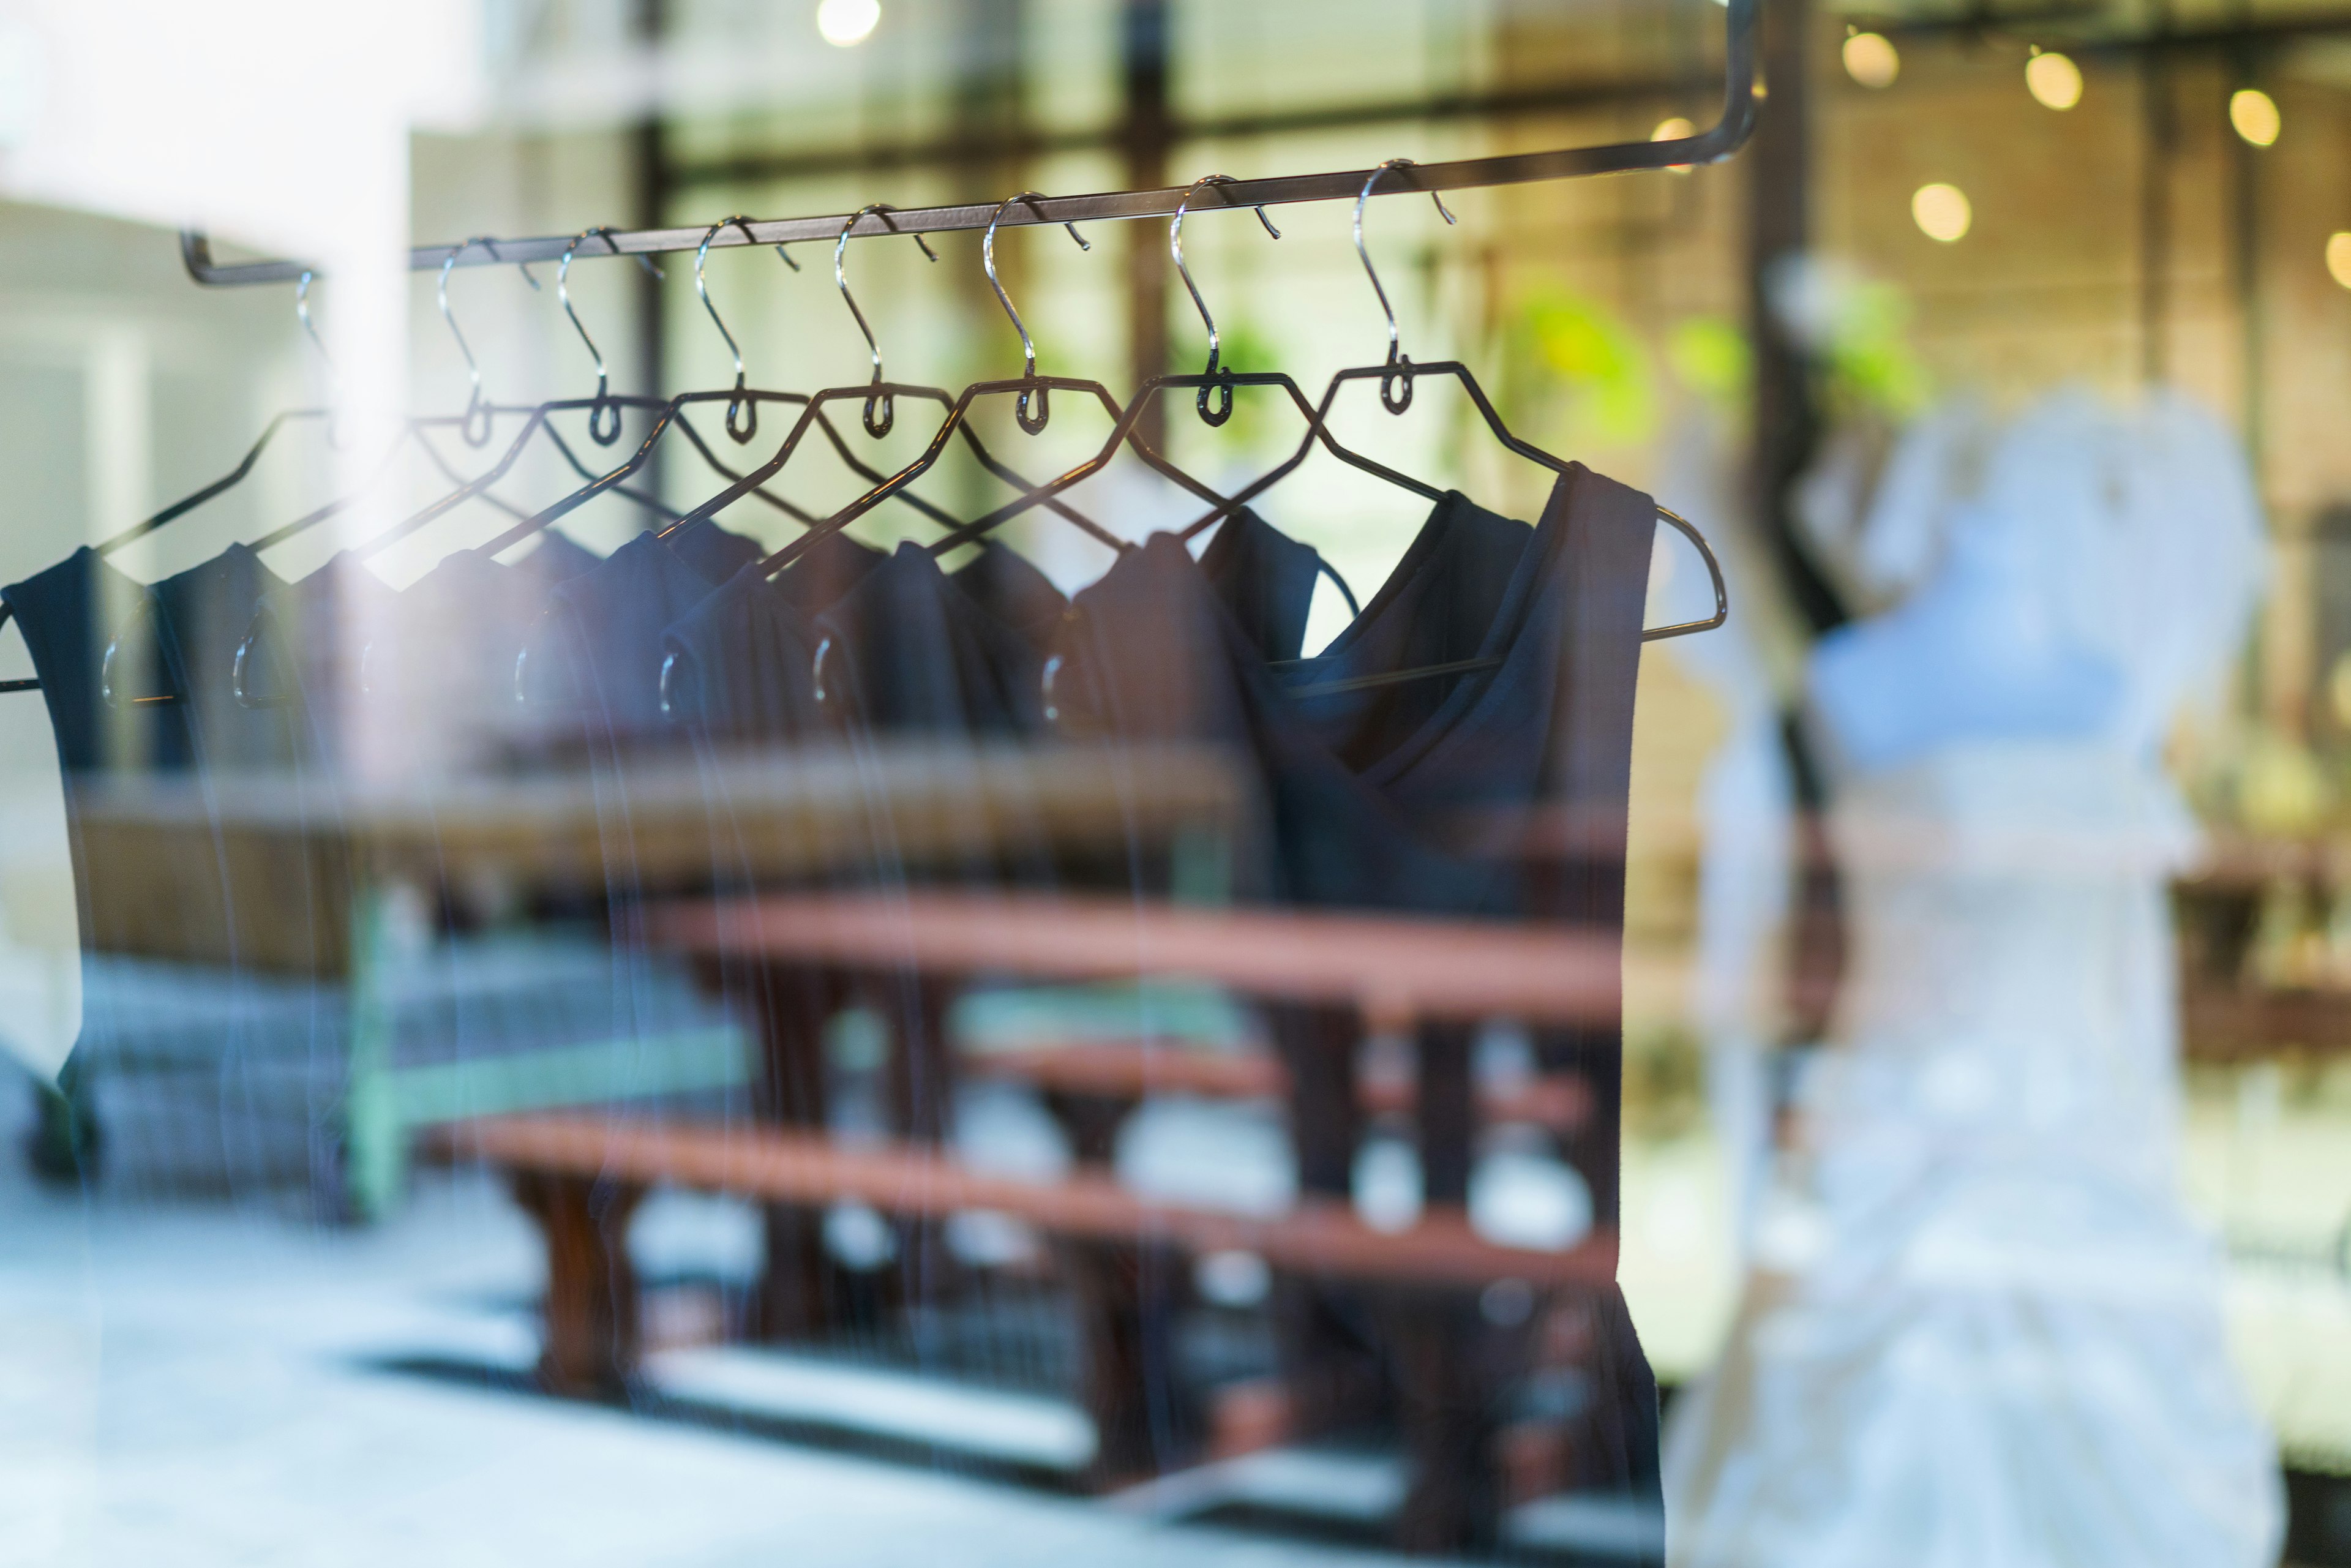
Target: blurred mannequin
[(1981, 1330)]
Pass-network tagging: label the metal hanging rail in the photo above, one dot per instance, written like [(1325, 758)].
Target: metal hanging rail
[(1712, 145)]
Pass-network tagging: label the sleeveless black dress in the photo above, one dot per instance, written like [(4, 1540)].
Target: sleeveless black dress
[(67, 615), (1420, 796)]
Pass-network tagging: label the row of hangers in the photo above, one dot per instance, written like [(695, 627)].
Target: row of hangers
[(1214, 388)]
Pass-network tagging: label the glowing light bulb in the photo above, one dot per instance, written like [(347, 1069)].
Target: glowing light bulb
[(2254, 113), (2054, 80), (845, 24), (2338, 257), (1870, 59), (1942, 212)]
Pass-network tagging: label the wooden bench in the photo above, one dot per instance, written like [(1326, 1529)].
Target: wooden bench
[(582, 1177), (1091, 1087), (1322, 980)]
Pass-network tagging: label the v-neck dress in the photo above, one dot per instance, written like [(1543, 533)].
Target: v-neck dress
[(1430, 796)]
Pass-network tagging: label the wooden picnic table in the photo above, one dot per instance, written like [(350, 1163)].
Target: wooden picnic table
[(335, 855), (1324, 978)]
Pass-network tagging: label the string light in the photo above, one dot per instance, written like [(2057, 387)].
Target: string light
[(2338, 257), (1870, 59), (2054, 80), (1942, 212), (2254, 113), (845, 24)]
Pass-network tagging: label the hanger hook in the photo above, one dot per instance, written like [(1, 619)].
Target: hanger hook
[(1032, 419), (1395, 387), (880, 412), (737, 405), (334, 380), (476, 403), (603, 433), (1224, 410), (302, 314)]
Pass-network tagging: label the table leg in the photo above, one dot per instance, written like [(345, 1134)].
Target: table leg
[(1447, 1112), (1127, 1299), (1328, 1345), (1453, 1500), (593, 1344)]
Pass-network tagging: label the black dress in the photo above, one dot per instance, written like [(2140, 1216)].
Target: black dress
[(69, 615), (1424, 795)]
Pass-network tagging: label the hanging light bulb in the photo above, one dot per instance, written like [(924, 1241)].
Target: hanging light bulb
[(1870, 59), (1942, 212), (2254, 113), (2054, 80), (2338, 257)]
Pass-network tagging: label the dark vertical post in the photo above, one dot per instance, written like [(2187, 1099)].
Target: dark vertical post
[(1787, 430), (1778, 236), (2161, 139), (649, 198), (1147, 137), (2245, 230), (988, 115)]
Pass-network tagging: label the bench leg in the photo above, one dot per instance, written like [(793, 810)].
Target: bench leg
[(1126, 1299), (1328, 1362), (592, 1345)]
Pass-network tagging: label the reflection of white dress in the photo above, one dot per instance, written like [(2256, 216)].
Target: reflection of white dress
[(1997, 1342), (1985, 1332)]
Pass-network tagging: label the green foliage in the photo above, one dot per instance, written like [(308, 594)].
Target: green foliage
[(1872, 366), (1570, 362), (1710, 356)]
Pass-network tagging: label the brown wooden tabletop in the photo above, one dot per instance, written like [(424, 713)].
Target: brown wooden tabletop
[(1394, 969), (152, 846)]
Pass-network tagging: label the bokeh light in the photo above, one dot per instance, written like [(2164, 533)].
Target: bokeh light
[(1942, 212), (2054, 80), (847, 23), (2339, 256), (1871, 60), (2254, 113)]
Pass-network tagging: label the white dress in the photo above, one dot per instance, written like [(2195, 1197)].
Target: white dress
[(1983, 1332)]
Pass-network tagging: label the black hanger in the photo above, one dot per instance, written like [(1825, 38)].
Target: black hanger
[(1031, 418), (1396, 376), (879, 417), (1030, 410), (1220, 380), (879, 396)]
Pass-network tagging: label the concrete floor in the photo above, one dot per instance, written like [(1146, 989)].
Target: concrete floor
[(194, 1386)]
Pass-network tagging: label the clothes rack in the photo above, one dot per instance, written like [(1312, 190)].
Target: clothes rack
[(1725, 137)]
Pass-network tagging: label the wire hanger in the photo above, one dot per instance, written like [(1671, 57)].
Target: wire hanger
[(1222, 380), (1032, 409), (879, 396), (1031, 416), (1396, 375), (744, 397), (537, 418)]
